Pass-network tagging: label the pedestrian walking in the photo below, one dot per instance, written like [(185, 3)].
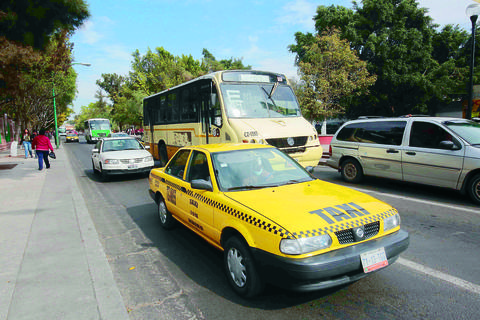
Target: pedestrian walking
[(34, 134), (42, 146), (27, 143)]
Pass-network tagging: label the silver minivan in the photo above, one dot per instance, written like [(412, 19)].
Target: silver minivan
[(443, 152)]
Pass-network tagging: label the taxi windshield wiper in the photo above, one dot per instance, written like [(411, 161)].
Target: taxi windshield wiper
[(249, 187)]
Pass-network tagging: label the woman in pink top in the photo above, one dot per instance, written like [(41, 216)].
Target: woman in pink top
[(42, 145)]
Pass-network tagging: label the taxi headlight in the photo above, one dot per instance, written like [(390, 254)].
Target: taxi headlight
[(112, 161), (148, 159), (305, 245), (391, 222)]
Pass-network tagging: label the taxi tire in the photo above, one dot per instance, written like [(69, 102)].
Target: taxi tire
[(473, 188), (351, 171), (166, 220), (237, 258)]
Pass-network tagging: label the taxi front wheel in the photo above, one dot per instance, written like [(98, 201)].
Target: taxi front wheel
[(240, 268), (474, 189), (166, 219)]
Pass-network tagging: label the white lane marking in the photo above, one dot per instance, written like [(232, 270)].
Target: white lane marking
[(471, 287), (448, 206)]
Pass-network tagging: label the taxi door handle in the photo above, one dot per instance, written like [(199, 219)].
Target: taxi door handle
[(392, 151), (410, 153)]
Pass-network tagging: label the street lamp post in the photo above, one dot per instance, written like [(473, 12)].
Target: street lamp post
[(55, 107), (472, 11)]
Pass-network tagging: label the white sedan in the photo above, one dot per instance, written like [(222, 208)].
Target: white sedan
[(120, 155)]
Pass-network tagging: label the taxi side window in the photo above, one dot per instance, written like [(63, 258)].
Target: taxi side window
[(198, 167), (176, 167)]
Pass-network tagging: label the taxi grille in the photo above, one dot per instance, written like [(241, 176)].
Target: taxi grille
[(346, 236)]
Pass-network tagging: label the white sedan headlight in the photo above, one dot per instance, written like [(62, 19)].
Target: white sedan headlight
[(305, 245), (391, 222), (148, 159), (112, 161)]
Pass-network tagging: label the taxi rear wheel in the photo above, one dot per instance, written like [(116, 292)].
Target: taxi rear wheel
[(240, 268), (352, 171), (474, 189), (166, 219)]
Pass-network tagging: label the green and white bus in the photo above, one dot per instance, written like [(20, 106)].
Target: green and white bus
[(96, 129)]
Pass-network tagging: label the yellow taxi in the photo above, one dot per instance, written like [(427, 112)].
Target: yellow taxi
[(71, 137), (273, 220)]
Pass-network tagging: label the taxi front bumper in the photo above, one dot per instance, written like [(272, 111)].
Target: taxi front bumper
[(327, 270)]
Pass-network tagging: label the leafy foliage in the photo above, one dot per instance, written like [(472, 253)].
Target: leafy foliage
[(417, 66), (34, 23), (329, 71), (152, 72)]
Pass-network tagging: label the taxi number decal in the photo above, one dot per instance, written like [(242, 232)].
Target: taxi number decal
[(196, 225), (350, 210), (194, 203), (172, 195), (194, 214)]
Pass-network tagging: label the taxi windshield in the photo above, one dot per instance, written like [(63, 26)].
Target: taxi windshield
[(259, 101), (256, 168), (468, 130)]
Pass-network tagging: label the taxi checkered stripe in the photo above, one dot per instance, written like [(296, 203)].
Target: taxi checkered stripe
[(345, 225), (234, 212)]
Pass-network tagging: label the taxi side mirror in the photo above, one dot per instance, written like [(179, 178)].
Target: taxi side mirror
[(202, 184)]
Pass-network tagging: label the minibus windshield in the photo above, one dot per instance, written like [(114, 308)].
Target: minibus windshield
[(254, 101)]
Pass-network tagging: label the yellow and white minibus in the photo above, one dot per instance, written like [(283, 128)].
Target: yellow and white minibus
[(239, 106)]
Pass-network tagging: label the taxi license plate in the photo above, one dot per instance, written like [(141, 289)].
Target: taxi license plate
[(132, 166), (374, 260)]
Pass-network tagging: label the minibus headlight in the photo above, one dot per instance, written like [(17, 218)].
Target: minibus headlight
[(305, 245), (148, 159), (253, 141), (391, 222)]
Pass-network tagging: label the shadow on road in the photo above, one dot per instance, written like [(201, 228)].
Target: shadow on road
[(204, 264)]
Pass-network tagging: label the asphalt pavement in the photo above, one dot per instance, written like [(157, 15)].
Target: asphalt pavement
[(53, 265)]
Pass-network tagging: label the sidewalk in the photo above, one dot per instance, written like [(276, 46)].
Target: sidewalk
[(52, 263)]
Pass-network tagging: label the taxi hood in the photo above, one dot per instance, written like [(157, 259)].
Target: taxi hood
[(272, 127), (314, 205)]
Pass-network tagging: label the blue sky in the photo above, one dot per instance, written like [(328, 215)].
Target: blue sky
[(259, 31)]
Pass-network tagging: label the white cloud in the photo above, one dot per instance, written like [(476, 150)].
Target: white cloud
[(87, 34), (447, 11), (299, 12)]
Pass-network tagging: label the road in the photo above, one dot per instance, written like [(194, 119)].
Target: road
[(176, 275)]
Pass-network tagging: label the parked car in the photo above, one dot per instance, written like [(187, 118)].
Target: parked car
[(273, 220), (121, 155), (71, 137), (443, 152)]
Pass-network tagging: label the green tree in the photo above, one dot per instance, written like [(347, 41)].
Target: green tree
[(33, 23), (401, 45), (330, 71)]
